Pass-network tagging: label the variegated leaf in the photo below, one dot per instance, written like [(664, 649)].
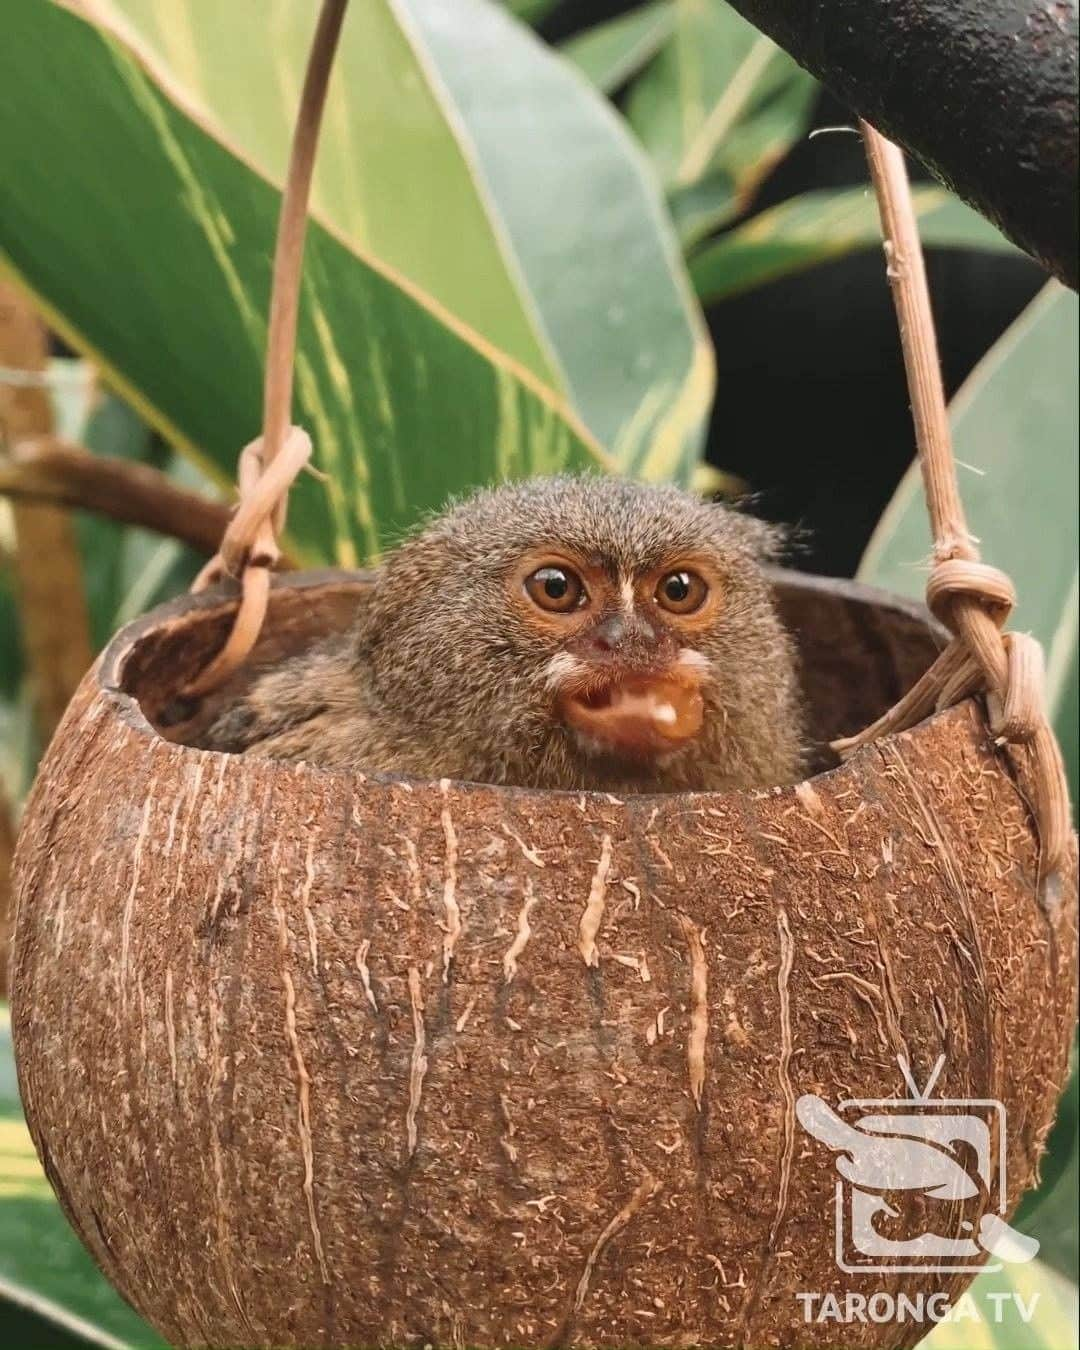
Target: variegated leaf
[(719, 106), (822, 225), (463, 155), (611, 53), (467, 312)]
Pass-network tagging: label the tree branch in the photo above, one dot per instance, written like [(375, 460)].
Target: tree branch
[(47, 469), (982, 91)]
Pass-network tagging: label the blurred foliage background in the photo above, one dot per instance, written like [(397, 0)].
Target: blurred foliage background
[(545, 235)]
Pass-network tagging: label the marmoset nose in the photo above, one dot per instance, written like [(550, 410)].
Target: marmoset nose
[(626, 640), (610, 635)]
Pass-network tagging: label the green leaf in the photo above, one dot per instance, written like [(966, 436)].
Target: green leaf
[(611, 53), (530, 11), (1063, 688), (822, 225), (43, 1265), (704, 206), (988, 1317), (158, 264), (576, 202), (719, 106), (532, 194), (72, 392)]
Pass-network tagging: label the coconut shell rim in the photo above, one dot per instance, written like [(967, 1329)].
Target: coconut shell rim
[(110, 669)]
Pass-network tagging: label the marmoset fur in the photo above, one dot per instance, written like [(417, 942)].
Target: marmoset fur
[(579, 633)]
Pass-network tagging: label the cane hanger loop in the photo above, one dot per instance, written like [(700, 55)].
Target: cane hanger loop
[(269, 465), (972, 599)]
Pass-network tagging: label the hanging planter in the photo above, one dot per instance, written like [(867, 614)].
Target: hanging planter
[(319, 1058), (314, 1059)]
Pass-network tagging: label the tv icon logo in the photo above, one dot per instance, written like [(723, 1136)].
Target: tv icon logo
[(953, 1150)]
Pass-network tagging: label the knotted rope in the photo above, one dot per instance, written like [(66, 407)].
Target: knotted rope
[(249, 548), (972, 599), (269, 465)]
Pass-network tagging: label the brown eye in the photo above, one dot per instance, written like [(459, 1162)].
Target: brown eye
[(555, 588), (681, 592)]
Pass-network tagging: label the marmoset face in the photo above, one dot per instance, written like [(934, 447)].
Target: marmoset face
[(590, 619), (625, 673)]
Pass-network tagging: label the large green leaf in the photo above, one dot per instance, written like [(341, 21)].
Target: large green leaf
[(147, 232), (466, 157), (43, 1265), (588, 232), (822, 225), (716, 110), (610, 53)]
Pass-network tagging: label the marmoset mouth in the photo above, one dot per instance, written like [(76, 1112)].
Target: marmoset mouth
[(639, 715)]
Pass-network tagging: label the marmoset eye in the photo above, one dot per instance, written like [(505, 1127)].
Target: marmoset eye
[(555, 588), (681, 592)]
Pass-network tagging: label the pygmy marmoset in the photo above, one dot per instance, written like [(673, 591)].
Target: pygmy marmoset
[(559, 633)]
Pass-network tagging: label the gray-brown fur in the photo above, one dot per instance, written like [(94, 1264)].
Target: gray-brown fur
[(441, 677)]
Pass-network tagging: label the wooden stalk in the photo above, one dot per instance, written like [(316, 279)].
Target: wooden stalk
[(53, 617)]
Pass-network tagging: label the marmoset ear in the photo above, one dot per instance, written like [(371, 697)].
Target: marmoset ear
[(764, 541)]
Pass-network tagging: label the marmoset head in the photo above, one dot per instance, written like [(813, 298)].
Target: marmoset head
[(586, 632)]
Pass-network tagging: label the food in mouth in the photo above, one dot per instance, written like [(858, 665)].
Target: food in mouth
[(639, 716)]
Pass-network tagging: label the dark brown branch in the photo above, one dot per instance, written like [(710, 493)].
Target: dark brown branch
[(47, 469), (982, 91)]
